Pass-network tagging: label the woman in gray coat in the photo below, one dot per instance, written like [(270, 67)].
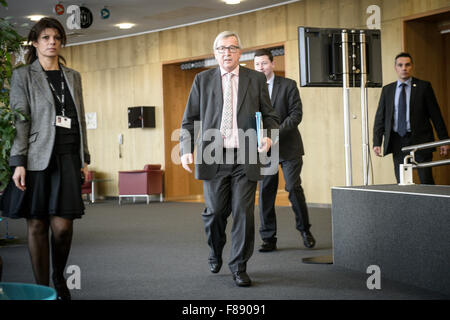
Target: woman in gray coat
[(49, 150)]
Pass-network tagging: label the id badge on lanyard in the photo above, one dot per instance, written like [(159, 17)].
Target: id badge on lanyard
[(61, 120)]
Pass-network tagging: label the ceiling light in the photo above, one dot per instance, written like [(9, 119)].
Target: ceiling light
[(125, 25), (35, 17), (232, 1)]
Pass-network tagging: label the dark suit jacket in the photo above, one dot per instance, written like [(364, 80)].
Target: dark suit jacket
[(205, 104), (286, 101), (31, 94), (423, 108)]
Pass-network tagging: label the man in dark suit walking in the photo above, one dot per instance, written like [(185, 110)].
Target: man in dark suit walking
[(222, 106), (286, 102), (403, 117)]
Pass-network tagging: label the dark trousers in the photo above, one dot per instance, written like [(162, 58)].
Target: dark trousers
[(267, 193), (397, 143), (230, 192)]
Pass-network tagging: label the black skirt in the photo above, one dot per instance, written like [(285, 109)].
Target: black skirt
[(55, 191)]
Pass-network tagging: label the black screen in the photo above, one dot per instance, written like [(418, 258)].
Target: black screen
[(320, 54)]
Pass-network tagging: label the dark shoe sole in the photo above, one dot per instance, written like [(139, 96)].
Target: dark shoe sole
[(268, 247), (242, 284), (267, 250)]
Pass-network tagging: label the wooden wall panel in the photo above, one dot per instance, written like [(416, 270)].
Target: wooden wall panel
[(205, 35), (112, 54), (176, 43), (102, 54), (273, 23), (123, 72), (295, 17), (399, 9)]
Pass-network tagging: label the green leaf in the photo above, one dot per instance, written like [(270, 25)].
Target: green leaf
[(10, 42)]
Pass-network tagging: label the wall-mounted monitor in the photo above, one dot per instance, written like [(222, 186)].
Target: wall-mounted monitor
[(320, 54), (141, 117)]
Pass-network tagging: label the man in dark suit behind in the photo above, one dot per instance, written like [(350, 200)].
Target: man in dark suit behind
[(286, 101), (222, 103), (403, 117)]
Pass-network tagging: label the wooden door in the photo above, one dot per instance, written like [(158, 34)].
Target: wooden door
[(178, 183), (430, 50)]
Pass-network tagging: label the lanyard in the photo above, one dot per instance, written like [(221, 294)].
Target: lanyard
[(60, 99)]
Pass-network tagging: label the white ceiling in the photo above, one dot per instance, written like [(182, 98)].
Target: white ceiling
[(148, 15)]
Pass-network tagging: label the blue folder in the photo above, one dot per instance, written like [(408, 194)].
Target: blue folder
[(259, 128)]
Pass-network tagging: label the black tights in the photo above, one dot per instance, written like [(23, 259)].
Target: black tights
[(38, 245)]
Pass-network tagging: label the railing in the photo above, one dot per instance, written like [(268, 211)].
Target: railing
[(406, 168)]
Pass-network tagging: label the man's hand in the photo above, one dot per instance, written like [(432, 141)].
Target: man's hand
[(265, 146), (445, 150), (85, 171), (186, 160), (377, 151), (19, 178)]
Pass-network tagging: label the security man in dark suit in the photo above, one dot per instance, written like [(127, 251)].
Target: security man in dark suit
[(403, 117), (286, 101)]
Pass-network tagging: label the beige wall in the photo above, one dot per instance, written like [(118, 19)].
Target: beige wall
[(127, 72)]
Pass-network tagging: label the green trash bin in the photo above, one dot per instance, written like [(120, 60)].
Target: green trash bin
[(25, 291)]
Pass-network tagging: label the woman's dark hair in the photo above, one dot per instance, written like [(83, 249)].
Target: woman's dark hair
[(33, 36)]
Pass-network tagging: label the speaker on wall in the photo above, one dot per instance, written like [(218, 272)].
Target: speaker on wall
[(141, 117)]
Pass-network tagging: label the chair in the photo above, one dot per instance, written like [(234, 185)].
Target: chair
[(87, 186), (141, 183)]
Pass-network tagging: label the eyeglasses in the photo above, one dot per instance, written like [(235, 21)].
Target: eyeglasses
[(233, 49)]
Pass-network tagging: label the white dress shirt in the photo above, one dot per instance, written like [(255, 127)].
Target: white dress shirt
[(270, 84)]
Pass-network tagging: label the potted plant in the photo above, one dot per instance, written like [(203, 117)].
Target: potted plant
[(10, 43)]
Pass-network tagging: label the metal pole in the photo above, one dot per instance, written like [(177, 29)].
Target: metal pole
[(364, 113), (427, 145), (345, 96)]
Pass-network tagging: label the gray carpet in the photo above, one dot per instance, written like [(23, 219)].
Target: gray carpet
[(159, 251)]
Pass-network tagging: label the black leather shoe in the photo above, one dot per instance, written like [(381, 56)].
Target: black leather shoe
[(215, 266), (308, 239), (241, 279), (268, 246)]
